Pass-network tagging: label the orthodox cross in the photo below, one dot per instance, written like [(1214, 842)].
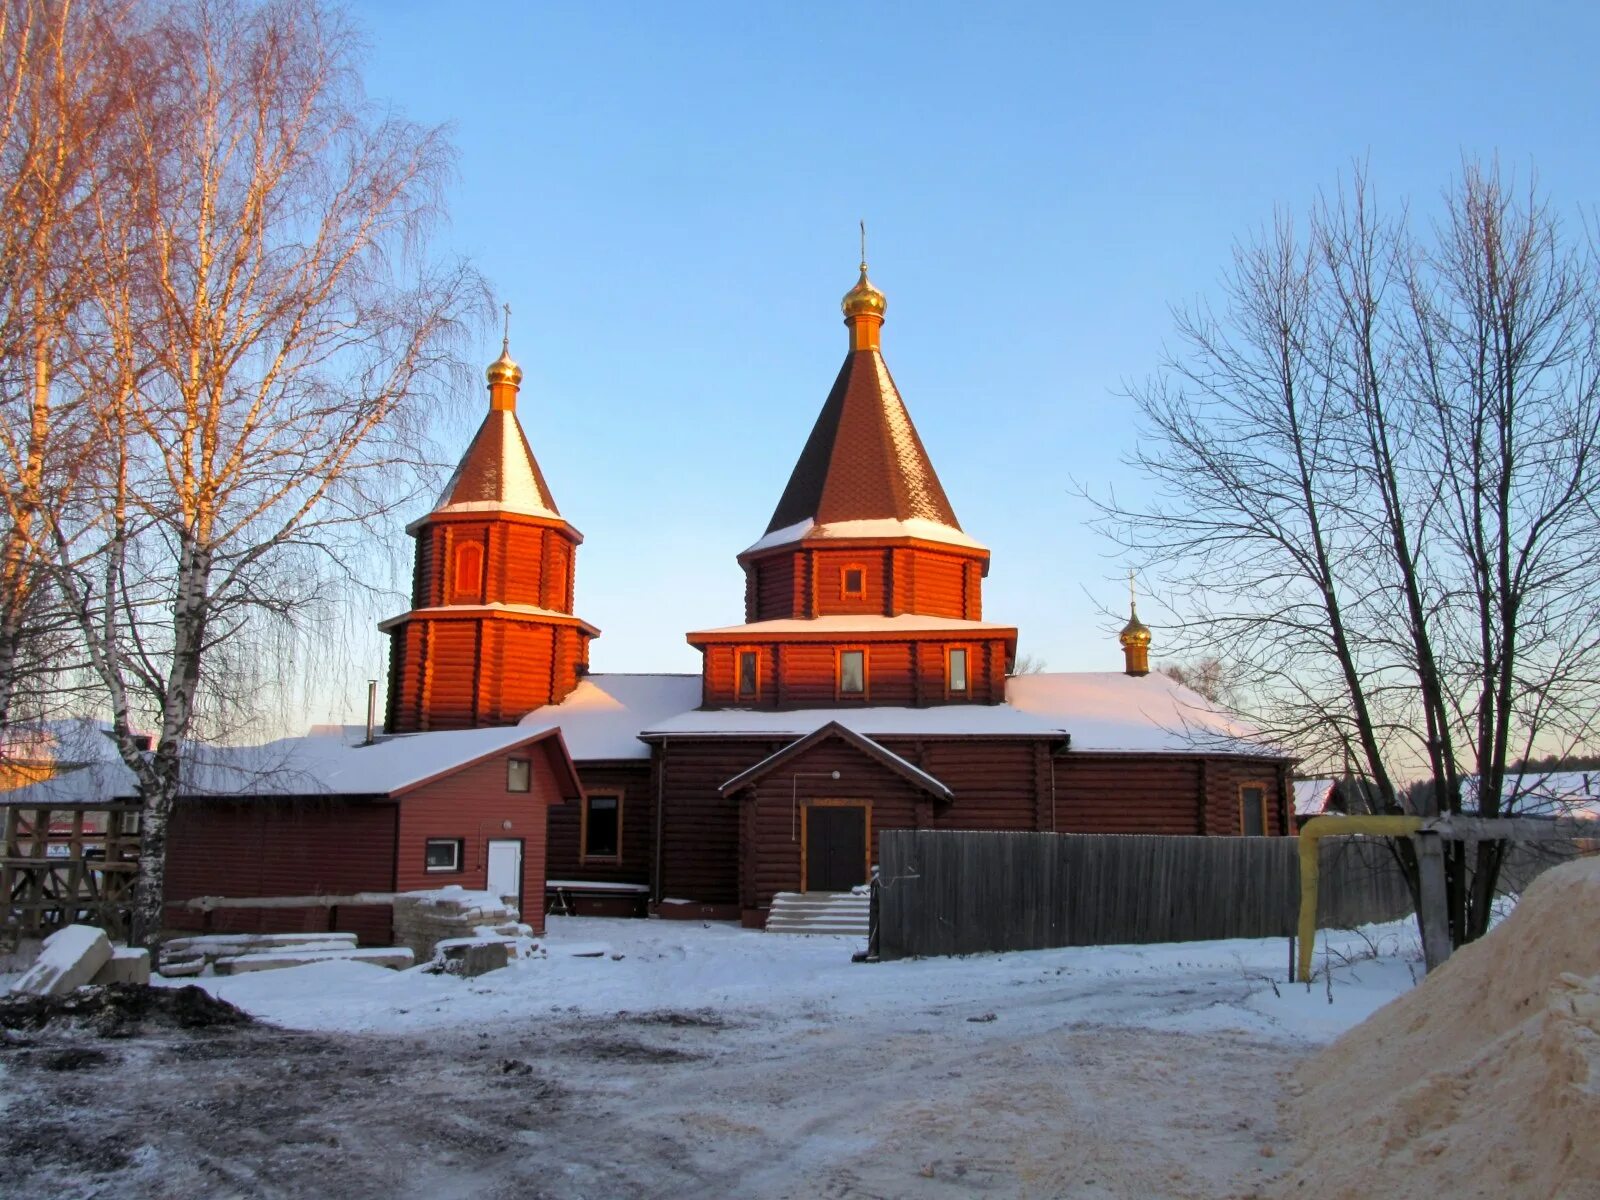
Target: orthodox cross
[(505, 345), (863, 243)]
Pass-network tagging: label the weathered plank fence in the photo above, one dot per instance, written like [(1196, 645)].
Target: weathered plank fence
[(973, 893)]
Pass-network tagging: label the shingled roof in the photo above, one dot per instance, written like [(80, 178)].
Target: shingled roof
[(498, 473), (863, 460)]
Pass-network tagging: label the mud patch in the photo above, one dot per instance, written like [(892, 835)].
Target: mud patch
[(700, 1019), (120, 1010), (627, 1051), (73, 1058)]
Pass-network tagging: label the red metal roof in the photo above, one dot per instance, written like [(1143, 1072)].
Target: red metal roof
[(863, 460), (498, 471)]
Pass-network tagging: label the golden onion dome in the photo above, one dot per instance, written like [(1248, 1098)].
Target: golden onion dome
[(504, 369), (864, 298), (1135, 632)]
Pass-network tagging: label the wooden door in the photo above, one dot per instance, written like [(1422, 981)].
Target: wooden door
[(836, 847)]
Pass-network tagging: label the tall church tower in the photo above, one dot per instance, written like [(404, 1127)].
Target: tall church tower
[(864, 590), (490, 635)]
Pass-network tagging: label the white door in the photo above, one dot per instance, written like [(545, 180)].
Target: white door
[(505, 869)]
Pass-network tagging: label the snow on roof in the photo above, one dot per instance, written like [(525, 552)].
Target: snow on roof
[(1311, 796), (601, 718), (1110, 711), (911, 527), (905, 767), (498, 473), (948, 719), (68, 740), (1099, 711), (1569, 794), (332, 764), (524, 610), (860, 623)]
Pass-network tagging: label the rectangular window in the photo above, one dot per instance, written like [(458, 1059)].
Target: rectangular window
[(602, 826), (853, 583), (748, 675), (958, 670), (519, 775), (1253, 810), (852, 672), (442, 854)]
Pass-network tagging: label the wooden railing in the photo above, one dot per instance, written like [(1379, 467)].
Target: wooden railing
[(62, 864)]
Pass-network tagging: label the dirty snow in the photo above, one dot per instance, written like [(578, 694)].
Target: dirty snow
[(649, 965), (670, 1058)]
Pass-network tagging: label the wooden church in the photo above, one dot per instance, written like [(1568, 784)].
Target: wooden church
[(865, 690)]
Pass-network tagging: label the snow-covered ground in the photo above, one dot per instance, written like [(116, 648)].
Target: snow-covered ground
[(598, 967), (657, 1058)]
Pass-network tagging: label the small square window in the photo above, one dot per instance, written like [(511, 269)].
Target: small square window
[(958, 670), (852, 672), (442, 854), (853, 583), (748, 673), (519, 777)]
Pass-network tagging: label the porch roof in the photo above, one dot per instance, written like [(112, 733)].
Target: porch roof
[(886, 758)]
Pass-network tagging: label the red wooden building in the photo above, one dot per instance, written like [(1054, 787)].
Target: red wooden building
[(866, 691), (331, 814)]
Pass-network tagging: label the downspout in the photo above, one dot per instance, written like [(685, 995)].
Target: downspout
[(1311, 834), (661, 805)]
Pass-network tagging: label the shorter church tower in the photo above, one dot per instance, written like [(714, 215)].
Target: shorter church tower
[(490, 635)]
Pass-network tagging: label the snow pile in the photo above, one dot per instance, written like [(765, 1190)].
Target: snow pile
[(1484, 1081)]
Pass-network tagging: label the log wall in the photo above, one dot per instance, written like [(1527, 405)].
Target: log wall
[(630, 780), (904, 673), (1000, 784), (898, 578)]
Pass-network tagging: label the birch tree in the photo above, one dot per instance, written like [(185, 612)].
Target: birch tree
[(260, 376), (1377, 462), (64, 88)]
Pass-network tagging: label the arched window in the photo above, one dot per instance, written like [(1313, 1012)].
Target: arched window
[(466, 582)]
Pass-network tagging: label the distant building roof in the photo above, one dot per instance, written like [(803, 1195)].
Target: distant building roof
[(1311, 796), (325, 764)]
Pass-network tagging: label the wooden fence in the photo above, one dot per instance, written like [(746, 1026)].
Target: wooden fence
[(973, 893), (66, 863)]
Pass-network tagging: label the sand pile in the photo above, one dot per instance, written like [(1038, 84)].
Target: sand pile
[(1482, 1082)]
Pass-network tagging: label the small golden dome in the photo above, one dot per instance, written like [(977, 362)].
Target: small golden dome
[(864, 298), (1135, 632), (504, 369)]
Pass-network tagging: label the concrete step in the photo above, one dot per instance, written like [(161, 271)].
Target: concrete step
[(834, 913), (831, 930)]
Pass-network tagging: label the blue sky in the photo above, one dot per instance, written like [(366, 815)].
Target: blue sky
[(667, 194)]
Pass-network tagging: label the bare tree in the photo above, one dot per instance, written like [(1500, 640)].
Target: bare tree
[(260, 375), (1208, 677), (1378, 467), (64, 86)]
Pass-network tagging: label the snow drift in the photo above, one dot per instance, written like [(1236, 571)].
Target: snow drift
[(1484, 1081)]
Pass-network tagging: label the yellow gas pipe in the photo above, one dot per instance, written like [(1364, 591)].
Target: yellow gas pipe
[(1311, 833)]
